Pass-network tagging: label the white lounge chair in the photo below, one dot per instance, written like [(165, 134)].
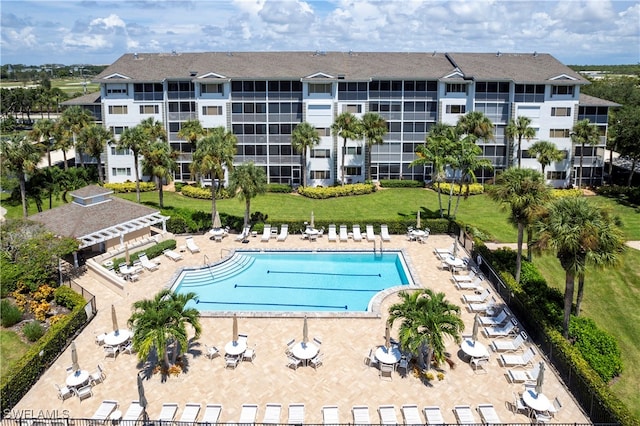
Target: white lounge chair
[(266, 233), (361, 415), (469, 285), (147, 263), (296, 414), (191, 245), (524, 376), (168, 412), (332, 236), (284, 232), (411, 415), (211, 414), (482, 307), (172, 255), (272, 413), (518, 360), (504, 330), (509, 345), (388, 415), (384, 233), (488, 414), (499, 319), (357, 235), (464, 415), (330, 415), (471, 276), (344, 236), (477, 298), (190, 413), (371, 235), (244, 234), (444, 252), (132, 414), (433, 415), (248, 414), (104, 410)]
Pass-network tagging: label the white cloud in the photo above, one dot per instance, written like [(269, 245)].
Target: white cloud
[(111, 21)]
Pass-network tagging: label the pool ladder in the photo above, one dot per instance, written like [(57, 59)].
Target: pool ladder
[(209, 265), (374, 246)]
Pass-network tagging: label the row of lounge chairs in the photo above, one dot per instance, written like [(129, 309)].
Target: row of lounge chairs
[(343, 235), (411, 415)]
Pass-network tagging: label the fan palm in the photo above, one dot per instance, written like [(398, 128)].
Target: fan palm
[(346, 126), (43, 132), (92, 139), (304, 137), (477, 124), (213, 154), (518, 129), (19, 156), (467, 160), (374, 128), (546, 153), (73, 119), (134, 139), (191, 130), (584, 133), (247, 181), (160, 162), (426, 319)]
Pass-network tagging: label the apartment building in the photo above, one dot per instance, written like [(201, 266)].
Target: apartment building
[(262, 96)]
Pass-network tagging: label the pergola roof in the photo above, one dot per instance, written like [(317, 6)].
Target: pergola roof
[(120, 229)]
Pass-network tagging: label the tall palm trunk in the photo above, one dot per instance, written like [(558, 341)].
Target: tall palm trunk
[(100, 176), (344, 167), (135, 167), (23, 194), (580, 293), (519, 253), (580, 168), (246, 212), (304, 167), (213, 201), (519, 151), (568, 302), (160, 192)]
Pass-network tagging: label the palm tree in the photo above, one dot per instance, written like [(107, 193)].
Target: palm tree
[(92, 140), (467, 161), (134, 139), (153, 129), (427, 317), (247, 181), (213, 154), (346, 126), (62, 140), (374, 129), (304, 137), (525, 192), (191, 131), (20, 157), (159, 161), (578, 232), (161, 321), (546, 153), (43, 132), (584, 133), (73, 119), (477, 124), (518, 129)]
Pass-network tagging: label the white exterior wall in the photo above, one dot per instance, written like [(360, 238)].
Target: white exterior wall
[(320, 113)]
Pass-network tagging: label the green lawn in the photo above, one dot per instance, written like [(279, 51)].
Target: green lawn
[(611, 296), (11, 348)]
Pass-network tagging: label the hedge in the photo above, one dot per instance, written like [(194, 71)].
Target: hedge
[(151, 252), (445, 187), (130, 187), (203, 193), (396, 183), (337, 191), (281, 188)]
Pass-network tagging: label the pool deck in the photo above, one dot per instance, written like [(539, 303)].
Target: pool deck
[(343, 380)]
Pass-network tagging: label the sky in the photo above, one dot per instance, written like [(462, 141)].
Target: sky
[(576, 32)]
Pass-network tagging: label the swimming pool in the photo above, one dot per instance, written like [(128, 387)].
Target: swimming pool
[(292, 281)]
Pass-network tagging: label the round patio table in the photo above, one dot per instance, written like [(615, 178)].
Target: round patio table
[(235, 348), (391, 355), (305, 351), (118, 337), (537, 401), (473, 348), (77, 378)]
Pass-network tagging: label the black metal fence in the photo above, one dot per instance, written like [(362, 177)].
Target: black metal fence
[(67, 421)]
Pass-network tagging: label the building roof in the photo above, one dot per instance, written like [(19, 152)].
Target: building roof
[(351, 66), (587, 100), (94, 223), (88, 99)]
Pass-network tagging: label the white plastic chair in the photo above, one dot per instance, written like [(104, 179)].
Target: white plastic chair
[(63, 391)]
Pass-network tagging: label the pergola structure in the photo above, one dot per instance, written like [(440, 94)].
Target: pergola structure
[(122, 229)]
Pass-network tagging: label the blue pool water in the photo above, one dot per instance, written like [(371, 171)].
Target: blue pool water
[(294, 281)]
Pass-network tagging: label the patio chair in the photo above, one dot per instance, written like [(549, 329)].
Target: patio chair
[(63, 391), (518, 406), (332, 236), (464, 415), (469, 285), (172, 255), (555, 407), (248, 414), (244, 234), (266, 234), (488, 414), (482, 296), (97, 376), (104, 410), (249, 354), (384, 233), (293, 362), (482, 307), (411, 415), (361, 415), (110, 351), (388, 415), (190, 413), (100, 338), (211, 414), (541, 417), (284, 232), (132, 414), (128, 348), (371, 236), (518, 360), (272, 413), (386, 370), (509, 345), (231, 361), (191, 245), (316, 361), (317, 341), (330, 415), (168, 412), (357, 235), (344, 236), (471, 276), (499, 319), (371, 360), (403, 365), (505, 330), (211, 352), (289, 346), (524, 376), (478, 363), (296, 414), (433, 415)]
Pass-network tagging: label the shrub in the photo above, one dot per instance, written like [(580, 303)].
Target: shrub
[(33, 330), (65, 296), (337, 191), (279, 187), (474, 188), (560, 193), (177, 225), (130, 187), (203, 193), (624, 194), (9, 313), (394, 183), (598, 347), (178, 186)]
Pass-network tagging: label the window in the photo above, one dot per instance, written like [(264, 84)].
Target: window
[(352, 108), (213, 88), (324, 131), (529, 93), (116, 89), (352, 171), (320, 153), (353, 150), (561, 112), (324, 88), (320, 174), (456, 109), (552, 175), (559, 133), (456, 88), (149, 109), (562, 90), (123, 151), (117, 109), (212, 110), (121, 171), (117, 130)]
